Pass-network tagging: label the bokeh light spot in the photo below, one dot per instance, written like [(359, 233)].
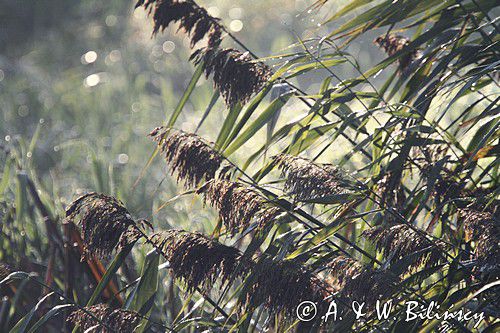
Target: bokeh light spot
[(92, 80), (168, 46), (89, 57), (111, 20), (123, 158), (236, 25)]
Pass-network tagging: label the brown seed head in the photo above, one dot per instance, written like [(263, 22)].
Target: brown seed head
[(282, 286), (106, 224), (196, 259), (194, 20), (361, 283), (390, 196), (108, 320), (484, 229), (188, 155), (235, 74), (400, 241), (395, 43), (238, 205), (307, 181)]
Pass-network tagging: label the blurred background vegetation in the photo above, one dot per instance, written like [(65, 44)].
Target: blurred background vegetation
[(82, 83)]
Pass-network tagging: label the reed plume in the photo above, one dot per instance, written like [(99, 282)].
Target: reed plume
[(188, 155), (235, 74), (195, 258), (281, 286), (105, 319), (359, 282), (484, 229), (106, 224), (394, 43), (238, 205), (194, 20), (310, 181), (400, 241), (390, 195)]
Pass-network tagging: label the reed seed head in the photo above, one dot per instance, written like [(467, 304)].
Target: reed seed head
[(235, 74), (400, 241), (394, 43), (391, 194), (188, 155), (194, 20), (310, 181), (484, 229), (358, 282), (282, 286), (105, 319), (238, 205), (196, 259), (106, 224)]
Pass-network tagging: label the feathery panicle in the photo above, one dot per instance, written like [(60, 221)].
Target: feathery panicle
[(235, 74), (282, 286), (106, 224), (193, 19), (390, 196), (108, 320), (238, 205), (394, 43), (400, 241), (484, 229), (188, 155), (309, 181), (358, 282), (195, 258)]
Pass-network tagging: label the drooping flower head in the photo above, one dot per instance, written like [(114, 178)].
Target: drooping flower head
[(106, 224), (195, 258), (187, 155)]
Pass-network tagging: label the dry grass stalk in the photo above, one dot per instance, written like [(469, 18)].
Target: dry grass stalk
[(106, 224), (196, 259), (238, 205), (484, 229), (360, 283), (282, 286), (109, 320), (394, 43), (400, 241), (235, 74), (188, 155), (306, 180)]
